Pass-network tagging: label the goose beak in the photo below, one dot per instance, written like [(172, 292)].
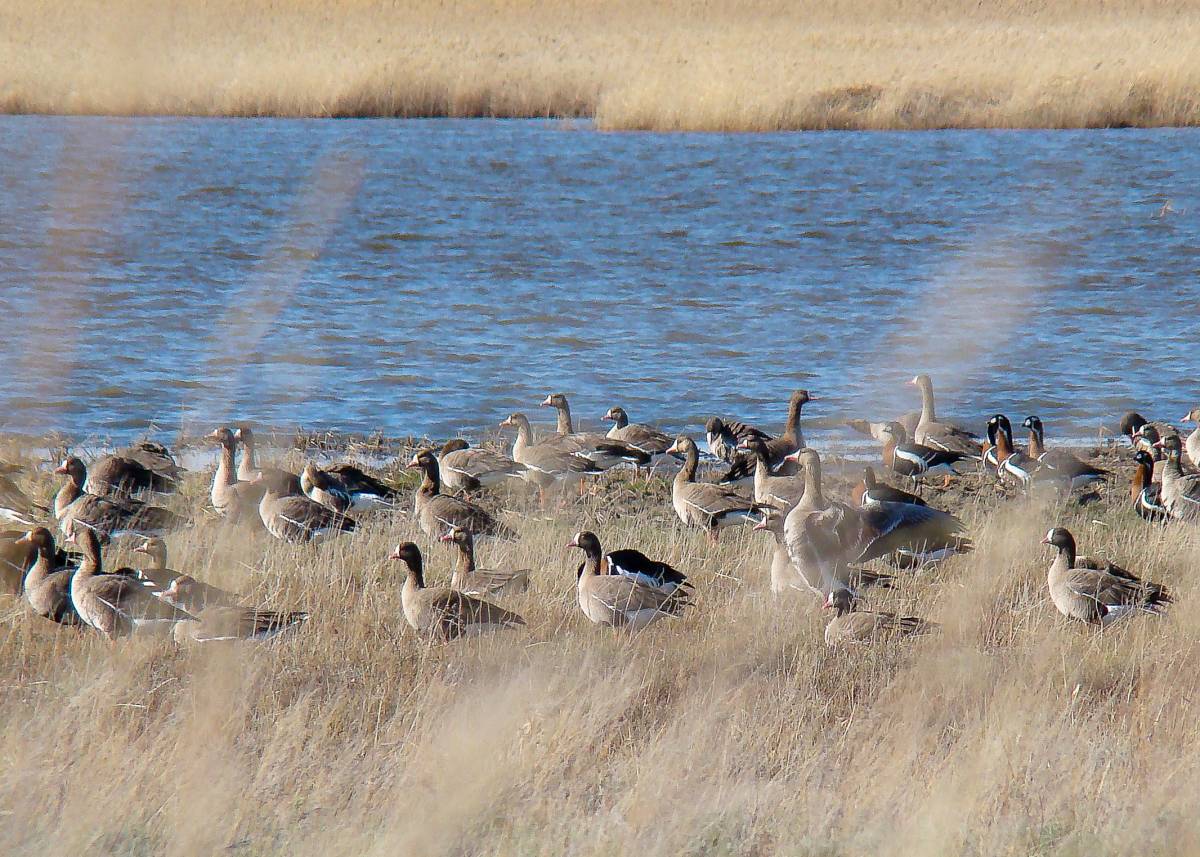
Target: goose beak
[(761, 525), (1160, 445), (793, 456), (394, 554), (62, 468), (446, 537), (573, 543), (1045, 540), (673, 448), (546, 403), (25, 539), (506, 423), (414, 462)]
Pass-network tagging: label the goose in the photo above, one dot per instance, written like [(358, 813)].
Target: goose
[(644, 437), (154, 456), (294, 517), (792, 438), (939, 435), (1146, 439), (466, 468), (47, 589), (481, 581), (117, 604), (123, 475), (249, 471), (854, 626), (229, 623), (785, 576), (17, 554), (176, 588), (442, 613), (15, 506), (915, 460), (233, 499), (875, 429), (782, 492), (437, 512), (545, 465), (988, 449), (632, 563), (345, 487), (1094, 590), (1058, 465), (1144, 491), (596, 447), (870, 491), (619, 600), (1192, 444), (922, 534), (703, 504), (1014, 465), (817, 544), (724, 436), (1180, 492), (107, 516)]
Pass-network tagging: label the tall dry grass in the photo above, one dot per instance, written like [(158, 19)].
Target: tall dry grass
[(732, 730), (672, 65)]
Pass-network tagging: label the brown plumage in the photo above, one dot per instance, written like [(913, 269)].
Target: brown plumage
[(481, 581), (442, 613), (15, 506), (234, 500), (107, 516), (546, 464), (296, 518), (176, 588), (1094, 590), (644, 437), (437, 512), (618, 600), (225, 624), (603, 451), (703, 504), (792, 438), (48, 591), (782, 492), (122, 475), (851, 625), (1180, 492), (467, 468), (940, 435)]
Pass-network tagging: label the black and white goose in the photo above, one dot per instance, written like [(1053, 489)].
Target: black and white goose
[(635, 565), (1145, 493), (1014, 465), (914, 460), (347, 483), (1058, 465)]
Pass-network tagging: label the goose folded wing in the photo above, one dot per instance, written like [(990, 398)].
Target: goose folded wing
[(716, 500), (125, 594), (635, 564), (892, 526), (626, 595)]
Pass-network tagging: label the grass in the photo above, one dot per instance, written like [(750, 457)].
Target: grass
[(732, 730), (674, 65)]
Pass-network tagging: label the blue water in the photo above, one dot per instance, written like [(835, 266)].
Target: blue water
[(432, 276)]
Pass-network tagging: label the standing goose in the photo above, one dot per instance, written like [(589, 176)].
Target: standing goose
[(294, 517), (176, 588), (437, 512), (123, 475), (596, 447), (792, 438), (249, 471), (48, 591), (1192, 444), (1095, 591), (786, 576), (347, 485), (1014, 465), (619, 600), (15, 506), (546, 464), (1058, 465), (1144, 491), (915, 460), (107, 516), (644, 437), (816, 543), (852, 625), (224, 624), (782, 492), (466, 468), (1180, 491), (233, 499), (442, 613), (481, 581), (117, 604), (703, 504), (725, 436), (939, 435)]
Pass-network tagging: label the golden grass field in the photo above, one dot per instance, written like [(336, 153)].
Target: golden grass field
[(731, 730), (673, 65)]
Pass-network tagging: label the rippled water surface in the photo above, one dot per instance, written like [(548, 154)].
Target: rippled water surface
[(432, 276)]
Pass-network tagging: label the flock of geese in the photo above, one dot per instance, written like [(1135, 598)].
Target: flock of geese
[(772, 483)]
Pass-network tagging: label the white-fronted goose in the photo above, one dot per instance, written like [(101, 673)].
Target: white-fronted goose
[(154, 456), (107, 516), (600, 448), (346, 487), (319, 486), (1094, 590), (1192, 444), (17, 554), (294, 517), (15, 506), (792, 439), (921, 533), (1058, 465), (644, 437), (225, 624), (1142, 433), (122, 475), (619, 600), (546, 464), (916, 460), (249, 471), (875, 429), (870, 491), (854, 626), (782, 492), (786, 576), (48, 591), (233, 499), (176, 588), (117, 604), (1180, 492), (703, 504), (437, 512), (813, 498), (467, 468), (442, 613), (481, 581), (817, 546), (724, 436), (1145, 493), (940, 435)]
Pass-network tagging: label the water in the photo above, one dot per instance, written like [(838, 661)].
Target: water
[(432, 276)]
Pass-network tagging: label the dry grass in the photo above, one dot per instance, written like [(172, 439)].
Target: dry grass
[(674, 65), (730, 731)]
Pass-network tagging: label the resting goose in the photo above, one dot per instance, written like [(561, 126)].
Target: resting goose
[(1095, 591), (122, 475), (294, 517), (481, 581), (1192, 444), (1058, 465), (233, 499), (176, 588), (437, 512), (620, 600), (915, 460), (596, 447), (703, 504), (345, 487), (47, 590), (117, 604), (632, 563), (1180, 492), (875, 430), (939, 435), (107, 516), (920, 533), (15, 506), (644, 437), (442, 613), (155, 456), (870, 491), (249, 471), (545, 464), (786, 576), (783, 492), (225, 624), (466, 468), (851, 625), (1144, 491)]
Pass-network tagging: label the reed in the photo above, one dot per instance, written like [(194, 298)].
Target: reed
[(732, 730), (674, 65)]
